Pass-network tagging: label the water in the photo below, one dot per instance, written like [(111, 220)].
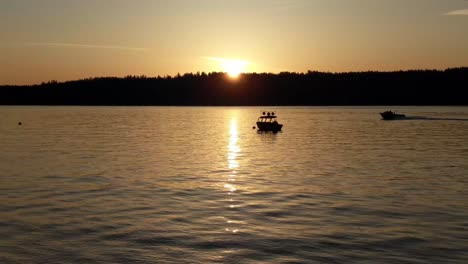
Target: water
[(199, 185)]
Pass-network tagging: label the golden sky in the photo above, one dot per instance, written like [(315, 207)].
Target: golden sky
[(67, 39)]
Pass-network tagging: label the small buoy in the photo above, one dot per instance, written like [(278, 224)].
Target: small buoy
[(19, 123), (253, 127)]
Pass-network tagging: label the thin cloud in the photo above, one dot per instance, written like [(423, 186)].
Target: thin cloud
[(86, 46), (460, 12)]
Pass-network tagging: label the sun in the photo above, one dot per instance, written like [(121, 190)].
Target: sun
[(233, 67)]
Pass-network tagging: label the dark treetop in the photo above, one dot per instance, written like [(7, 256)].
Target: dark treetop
[(416, 87)]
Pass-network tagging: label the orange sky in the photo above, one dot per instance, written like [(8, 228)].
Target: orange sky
[(63, 40)]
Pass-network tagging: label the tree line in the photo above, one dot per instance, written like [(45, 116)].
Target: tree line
[(414, 87)]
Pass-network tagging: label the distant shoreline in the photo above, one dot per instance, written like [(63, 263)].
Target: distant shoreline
[(403, 88)]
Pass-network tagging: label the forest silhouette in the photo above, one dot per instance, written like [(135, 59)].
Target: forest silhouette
[(414, 87)]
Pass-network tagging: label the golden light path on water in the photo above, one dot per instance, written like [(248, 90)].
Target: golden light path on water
[(233, 165)]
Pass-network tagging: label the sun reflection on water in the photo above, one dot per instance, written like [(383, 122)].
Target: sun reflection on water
[(233, 148), (233, 151), (233, 166)]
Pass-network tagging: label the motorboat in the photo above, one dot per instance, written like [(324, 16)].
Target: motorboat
[(268, 122), (390, 115)]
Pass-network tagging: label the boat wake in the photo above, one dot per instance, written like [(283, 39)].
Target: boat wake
[(433, 118)]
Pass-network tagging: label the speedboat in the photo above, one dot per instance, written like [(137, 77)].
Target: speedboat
[(389, 115), (268, 122)]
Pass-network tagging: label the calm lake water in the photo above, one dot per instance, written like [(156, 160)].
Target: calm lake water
[(199, 185)]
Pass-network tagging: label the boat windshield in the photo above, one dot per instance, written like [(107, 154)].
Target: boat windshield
[(268, 119)]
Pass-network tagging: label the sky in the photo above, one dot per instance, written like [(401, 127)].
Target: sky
[(42, 40)]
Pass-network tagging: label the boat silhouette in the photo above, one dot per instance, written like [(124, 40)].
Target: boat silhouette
[(390, 115), (268, 122)]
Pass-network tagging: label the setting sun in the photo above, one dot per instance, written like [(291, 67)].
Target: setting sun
[(232, 67)]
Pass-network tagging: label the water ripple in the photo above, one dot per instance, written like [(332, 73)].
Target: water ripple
[(198, 185)]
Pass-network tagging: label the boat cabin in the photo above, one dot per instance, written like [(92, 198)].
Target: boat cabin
[(268, 117)]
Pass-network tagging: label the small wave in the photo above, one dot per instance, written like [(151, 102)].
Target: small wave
[(157, 240), (404, 241), (274, 213)]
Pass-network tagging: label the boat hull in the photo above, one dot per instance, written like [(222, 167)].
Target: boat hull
[(391, 116), (266, 126)]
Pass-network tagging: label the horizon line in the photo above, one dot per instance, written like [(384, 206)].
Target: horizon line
[(199, 73)]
